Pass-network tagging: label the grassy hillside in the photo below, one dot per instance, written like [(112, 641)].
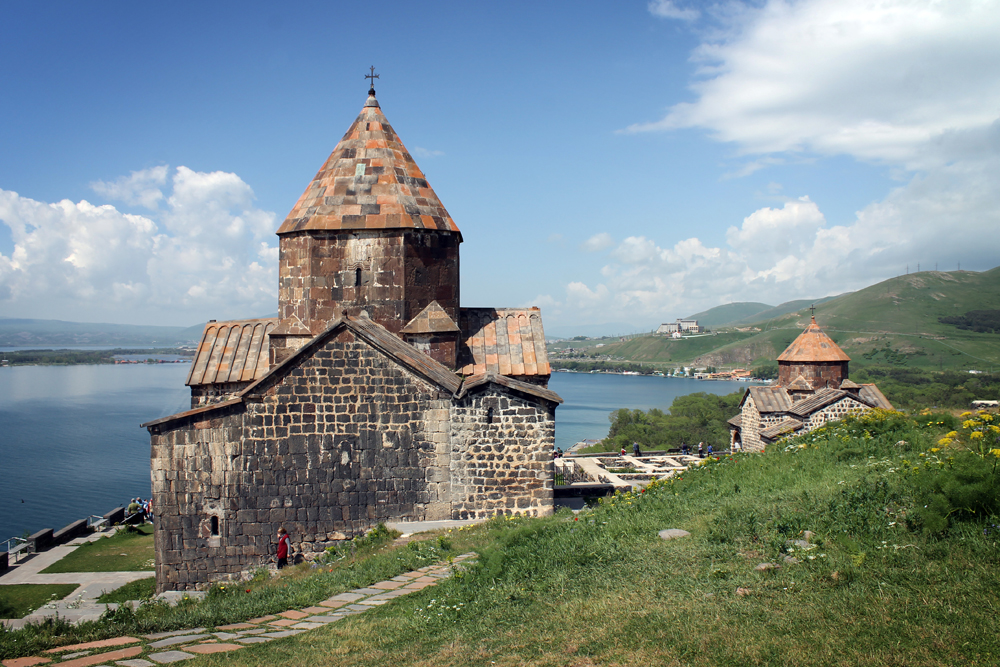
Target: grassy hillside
[(892, 323), (900, 567), (729, 313), (783, 309)]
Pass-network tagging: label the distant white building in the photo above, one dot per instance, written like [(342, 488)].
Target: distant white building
[(681, 325)]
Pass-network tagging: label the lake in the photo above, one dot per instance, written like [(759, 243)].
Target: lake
[(70, 442)]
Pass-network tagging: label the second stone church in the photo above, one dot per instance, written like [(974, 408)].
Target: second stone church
[(373, 396)]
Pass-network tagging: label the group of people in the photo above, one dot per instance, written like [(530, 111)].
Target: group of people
[(686, 450), (144, 508)]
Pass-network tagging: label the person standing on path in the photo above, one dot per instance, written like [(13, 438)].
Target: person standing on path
[(701, 450), (635, 449), (283, 542)]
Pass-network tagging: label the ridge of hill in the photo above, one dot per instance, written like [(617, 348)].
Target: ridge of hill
[(728, 313), (30, 332), (894, 322)]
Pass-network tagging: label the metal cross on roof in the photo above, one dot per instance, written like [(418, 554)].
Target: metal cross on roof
[(372, 76), (812, 310)]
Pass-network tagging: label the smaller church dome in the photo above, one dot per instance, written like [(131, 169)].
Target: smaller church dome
[(813, 345)]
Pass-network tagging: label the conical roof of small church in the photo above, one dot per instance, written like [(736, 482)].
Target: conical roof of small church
[(370, 181), (813, 345)]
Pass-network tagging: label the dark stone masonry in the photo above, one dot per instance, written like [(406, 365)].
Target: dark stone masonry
[(372, 397)]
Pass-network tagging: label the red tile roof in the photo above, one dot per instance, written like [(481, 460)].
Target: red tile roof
[(234, 351), (370, 181), (504, 341), (813, 345)]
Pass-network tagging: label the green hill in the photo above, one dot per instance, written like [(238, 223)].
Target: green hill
[(783, 309), (895, 322), (729, 313)]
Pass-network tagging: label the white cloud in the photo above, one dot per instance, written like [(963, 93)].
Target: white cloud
[(902, 83), (598, 242), (669, 10), (140, 188), (425, 152), (207, 254), (899, 81)]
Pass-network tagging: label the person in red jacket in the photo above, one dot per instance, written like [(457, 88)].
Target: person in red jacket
[(283, 543)]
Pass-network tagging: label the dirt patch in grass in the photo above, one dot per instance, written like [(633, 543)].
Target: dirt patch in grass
[(19, 600), (124, 552)]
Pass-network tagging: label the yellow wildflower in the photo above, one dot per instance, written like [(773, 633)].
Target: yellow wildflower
[(976, 435)]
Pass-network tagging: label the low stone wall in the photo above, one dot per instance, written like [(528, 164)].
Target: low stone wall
[(75, 529)]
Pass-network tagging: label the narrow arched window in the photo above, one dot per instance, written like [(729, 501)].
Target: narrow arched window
[(357, 277), (489, 415), (215, 526)]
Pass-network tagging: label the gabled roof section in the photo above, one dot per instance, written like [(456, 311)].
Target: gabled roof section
[(471, 383), (234, 351), (873, 395), (502, 341), (813, 345), (736, 421), (818, 401), (432, 319), (770, 399), (378, 337), (784, 427), (370, 181), (799, 384)]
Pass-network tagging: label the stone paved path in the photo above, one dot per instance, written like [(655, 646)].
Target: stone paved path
[(81, 604), (168, 647)]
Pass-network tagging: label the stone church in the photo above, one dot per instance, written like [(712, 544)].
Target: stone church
[(812, 388), (373, 396)]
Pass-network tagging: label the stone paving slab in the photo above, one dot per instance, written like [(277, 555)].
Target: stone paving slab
[(325, 619), (77, 654), (333, 604), (236, 626), (25, 662), (306, 625), (293, 614), (205, 649), (137, 662), (255, 631), (346, 597), (357, 607), (262, 619), (174, 633), (172, 641), (253, 640), (365, 592), (225, 635), (283, 623), (315, 610), (283, 633), (120, 654), (388, 585), (166, 657), (104, 643)]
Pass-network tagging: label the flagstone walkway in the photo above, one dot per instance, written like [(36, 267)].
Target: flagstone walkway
[(169, 647)]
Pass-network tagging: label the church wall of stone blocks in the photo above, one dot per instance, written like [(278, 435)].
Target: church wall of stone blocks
[(373, 397)]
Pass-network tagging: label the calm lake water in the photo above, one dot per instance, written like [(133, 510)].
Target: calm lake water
[(70, 442)]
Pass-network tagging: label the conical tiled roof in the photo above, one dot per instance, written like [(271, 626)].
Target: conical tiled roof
[(370, 181), (813, 345)]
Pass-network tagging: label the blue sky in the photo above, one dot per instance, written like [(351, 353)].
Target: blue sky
[(617, 164)]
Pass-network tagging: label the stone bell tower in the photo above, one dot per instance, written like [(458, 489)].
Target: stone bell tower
[(369, 236)]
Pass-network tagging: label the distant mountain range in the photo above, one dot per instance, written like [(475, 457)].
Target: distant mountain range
[(27, 333), (895, 322)]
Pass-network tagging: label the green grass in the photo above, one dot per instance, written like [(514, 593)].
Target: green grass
[(140, 589), (19, 600), (124, 552), (600, 587)]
